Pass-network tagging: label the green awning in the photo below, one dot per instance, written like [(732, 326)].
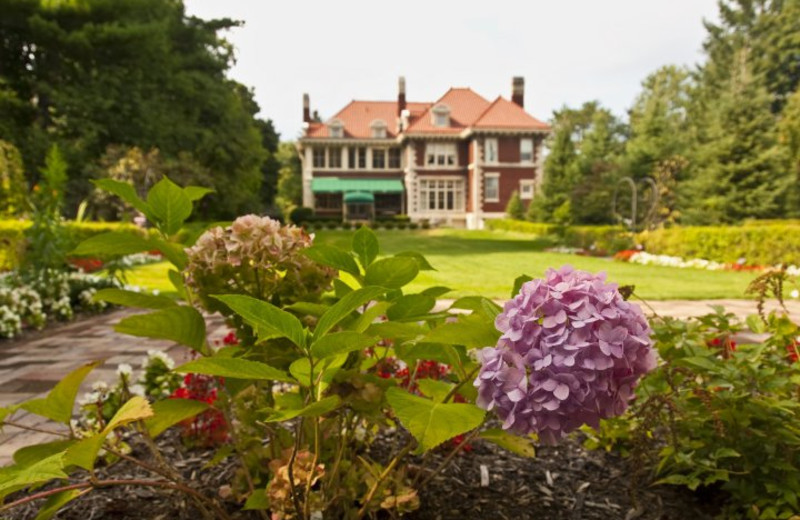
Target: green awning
[(337, 185), (359, 197)]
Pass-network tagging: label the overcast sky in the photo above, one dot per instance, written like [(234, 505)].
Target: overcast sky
[(569, 51)]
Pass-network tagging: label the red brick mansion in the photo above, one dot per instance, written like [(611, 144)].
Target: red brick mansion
[(454, 161)]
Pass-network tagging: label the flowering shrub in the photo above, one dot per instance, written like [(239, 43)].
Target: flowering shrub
[(571, 352), (311, 379), (209, 428), (719, 413), (258, 257)]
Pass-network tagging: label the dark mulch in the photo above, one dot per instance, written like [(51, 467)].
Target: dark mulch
[(563, 482)]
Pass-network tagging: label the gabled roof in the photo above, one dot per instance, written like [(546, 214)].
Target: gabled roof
[(504, 114), (358, 116), (467, 110), (465, 107)]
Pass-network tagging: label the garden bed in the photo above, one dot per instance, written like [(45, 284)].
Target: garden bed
[(562, 482)]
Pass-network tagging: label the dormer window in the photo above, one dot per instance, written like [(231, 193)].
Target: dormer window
[(378, 129), (336, 129), (440, 115)]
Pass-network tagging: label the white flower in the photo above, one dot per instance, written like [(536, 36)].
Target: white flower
[(124, 370), (100, 386), (795, 294), (137, 389)]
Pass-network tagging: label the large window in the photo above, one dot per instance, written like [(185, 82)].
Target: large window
[(335, 157), (319, 157), (526, 150), (491, 187), (490, 151), (440, 154), (328, 201), (394, 157), (441, 194), (357, 158), (378, 158)]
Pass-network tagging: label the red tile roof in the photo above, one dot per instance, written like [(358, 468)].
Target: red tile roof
[(358, 116), (503, 114), (465, 106), (467, 110)]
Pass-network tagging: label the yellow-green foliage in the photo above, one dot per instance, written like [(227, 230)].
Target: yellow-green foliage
[(12, 241), (767, 244), (609, 239)]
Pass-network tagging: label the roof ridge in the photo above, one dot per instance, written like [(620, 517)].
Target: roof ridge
[(486, 110)]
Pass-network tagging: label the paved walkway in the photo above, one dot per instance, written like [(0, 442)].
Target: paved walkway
[(32, 365)]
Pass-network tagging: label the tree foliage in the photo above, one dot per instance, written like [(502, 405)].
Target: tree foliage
[(131, 73)]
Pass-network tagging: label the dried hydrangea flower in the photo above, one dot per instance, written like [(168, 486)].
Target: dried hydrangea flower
[(259, 257), (571, 353)]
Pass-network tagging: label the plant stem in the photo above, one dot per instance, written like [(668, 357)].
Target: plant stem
[(382, 477), (295, 498), (456, 388), (34, 429)]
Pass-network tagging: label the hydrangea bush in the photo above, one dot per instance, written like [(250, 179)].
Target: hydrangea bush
[(571, 353), (301, 396)]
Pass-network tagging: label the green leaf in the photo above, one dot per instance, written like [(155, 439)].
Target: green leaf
[(340, 343), (436, 291), (397, 330), (56, 502), (31, 454), (442, 353), (171, 251), (522, 446), (134, 299), (478, 304), (756, 324), (169, 412), (422, 262), (342, 309), (365, 245), (472, 331), (195, 193), (265, 317), (340, 288), (315, 409), (333, 256), (60, 400), (84, 452), (184, 325), (113, 244), (176, 278), (257, 500), (519, 281), (700, 362), (126, 192), (392, 273), (410, 307), (235, 368), (17, 477), (436, 390), (432, 423), (301, 370), (169, 204)]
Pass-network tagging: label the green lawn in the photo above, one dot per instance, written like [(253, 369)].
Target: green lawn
[(487, 262)]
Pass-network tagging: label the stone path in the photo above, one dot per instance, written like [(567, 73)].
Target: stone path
[(32, 365)]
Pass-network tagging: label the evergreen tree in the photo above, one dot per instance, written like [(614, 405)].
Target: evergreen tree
[(514, 208)]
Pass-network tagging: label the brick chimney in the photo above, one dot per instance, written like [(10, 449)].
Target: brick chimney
[(518, 90), (401, 95), (306, 109)]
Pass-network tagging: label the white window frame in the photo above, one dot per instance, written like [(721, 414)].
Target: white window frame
[(523, 144), (333, 151), (440, 116), (319, 152), (495, 177), (491, 145), (378, 129), (440, 187), (527, 189), (385, 158), (444, 155), (336, 129), (399, 154)]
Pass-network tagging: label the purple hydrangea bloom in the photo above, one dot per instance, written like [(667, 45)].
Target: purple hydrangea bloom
[(571, 353)]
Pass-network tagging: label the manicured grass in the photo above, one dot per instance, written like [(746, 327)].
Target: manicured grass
[(487, 262)]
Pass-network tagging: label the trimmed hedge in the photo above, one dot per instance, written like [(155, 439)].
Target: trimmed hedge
[(758, 244), (607, 239), (12, 239)]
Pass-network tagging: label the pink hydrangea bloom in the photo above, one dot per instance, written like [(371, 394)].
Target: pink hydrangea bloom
[(571, 352)]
